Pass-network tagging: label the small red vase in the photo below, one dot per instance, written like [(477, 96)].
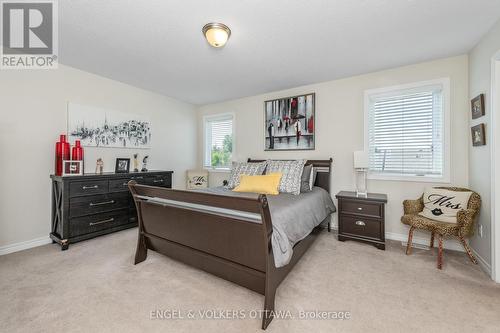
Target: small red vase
[(77, 152)]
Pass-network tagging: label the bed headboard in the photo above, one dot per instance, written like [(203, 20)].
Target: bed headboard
[(323, 168)]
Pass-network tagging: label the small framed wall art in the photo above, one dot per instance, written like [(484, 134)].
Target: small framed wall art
[(478, 135), (122, 165), (72, 168), (477, 106)]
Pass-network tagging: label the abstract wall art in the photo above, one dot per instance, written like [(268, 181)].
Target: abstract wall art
[(289, 123), (99, 127)]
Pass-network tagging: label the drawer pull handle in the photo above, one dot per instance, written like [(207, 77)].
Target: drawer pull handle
[(125, 184), (360, 223), (360, 208), (101, 222), (158, 181), (138, 177), (90, 187), (102, 203)]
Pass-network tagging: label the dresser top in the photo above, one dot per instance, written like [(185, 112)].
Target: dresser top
[(110, 175), (379, 197)]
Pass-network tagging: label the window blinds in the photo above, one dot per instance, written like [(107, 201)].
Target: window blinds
[(406, 133), (216, 130)]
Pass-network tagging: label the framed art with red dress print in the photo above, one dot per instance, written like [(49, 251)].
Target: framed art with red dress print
[(289, 123)]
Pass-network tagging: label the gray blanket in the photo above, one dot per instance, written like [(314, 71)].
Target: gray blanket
[(293, 217)]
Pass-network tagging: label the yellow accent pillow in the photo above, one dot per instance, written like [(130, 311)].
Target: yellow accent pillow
[(265, 184)]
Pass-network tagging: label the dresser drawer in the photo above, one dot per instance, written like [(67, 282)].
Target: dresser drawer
[(159, 180), (98, 203), (361, 208), (138, 178), (361, 227), (119, 185), (88, 188), (88, 224)]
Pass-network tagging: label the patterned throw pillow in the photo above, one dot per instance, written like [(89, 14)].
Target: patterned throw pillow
[(291, 174), (250, 169), (443, 205)]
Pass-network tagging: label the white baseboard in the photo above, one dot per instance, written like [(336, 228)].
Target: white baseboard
[(448, 243), (485, 266), (6, 249)]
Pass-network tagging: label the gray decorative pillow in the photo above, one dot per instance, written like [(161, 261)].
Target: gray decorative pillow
[(306, 179), (238, 169), (291, 174)]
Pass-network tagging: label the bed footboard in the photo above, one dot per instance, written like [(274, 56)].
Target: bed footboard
[(226, 236)]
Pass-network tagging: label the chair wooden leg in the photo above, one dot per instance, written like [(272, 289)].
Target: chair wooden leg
[(467, 249), (432, 240), (410, 239), (440, 252)]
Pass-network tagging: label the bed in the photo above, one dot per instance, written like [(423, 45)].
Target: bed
[(230, 236)]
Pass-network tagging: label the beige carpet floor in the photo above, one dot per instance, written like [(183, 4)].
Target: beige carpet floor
[(94, 287)]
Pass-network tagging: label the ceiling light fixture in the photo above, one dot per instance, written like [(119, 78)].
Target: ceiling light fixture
[(216, 34)]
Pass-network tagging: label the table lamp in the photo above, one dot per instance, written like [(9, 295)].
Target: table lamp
[(361, 168)]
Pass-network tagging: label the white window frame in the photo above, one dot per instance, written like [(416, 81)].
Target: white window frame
[(393, 90), (206, 149)]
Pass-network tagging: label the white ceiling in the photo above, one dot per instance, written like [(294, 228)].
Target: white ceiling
[(275, 44)]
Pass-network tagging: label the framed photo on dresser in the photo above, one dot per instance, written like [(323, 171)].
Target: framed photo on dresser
[(122, 165), (289, 123)]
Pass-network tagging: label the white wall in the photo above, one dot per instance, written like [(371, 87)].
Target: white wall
[(339, 128), (480, 157), (33, 114)]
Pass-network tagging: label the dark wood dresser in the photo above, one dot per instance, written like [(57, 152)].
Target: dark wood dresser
[(362, 219), (91, 205)]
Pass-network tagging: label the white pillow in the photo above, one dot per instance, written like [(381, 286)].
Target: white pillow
[(238, 169), (443, 205), (291, 174)]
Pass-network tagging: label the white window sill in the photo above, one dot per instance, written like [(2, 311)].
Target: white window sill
[(218, 170), (416, 179)]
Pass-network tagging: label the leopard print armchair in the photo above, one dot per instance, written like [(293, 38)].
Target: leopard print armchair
[(463, 228)]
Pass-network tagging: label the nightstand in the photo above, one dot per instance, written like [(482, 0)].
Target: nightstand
[(362, 219)]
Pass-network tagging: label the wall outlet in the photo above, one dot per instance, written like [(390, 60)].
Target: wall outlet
[(480, 230)]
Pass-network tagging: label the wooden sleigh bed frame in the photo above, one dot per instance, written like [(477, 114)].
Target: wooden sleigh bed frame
[(233, 248)]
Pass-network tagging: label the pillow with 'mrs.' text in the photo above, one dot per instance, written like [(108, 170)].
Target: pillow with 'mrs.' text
[(443, 205)]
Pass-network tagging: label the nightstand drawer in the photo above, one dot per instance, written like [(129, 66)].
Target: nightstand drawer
[(361, 208), (361, 227)]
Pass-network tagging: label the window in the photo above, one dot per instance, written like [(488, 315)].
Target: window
[(407, 134), (218, 141)]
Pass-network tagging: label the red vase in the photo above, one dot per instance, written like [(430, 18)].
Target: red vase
[(77, 152), (58, 159), (62, 154), (65, 148)]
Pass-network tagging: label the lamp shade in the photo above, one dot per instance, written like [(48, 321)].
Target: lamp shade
[(360, 160)]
